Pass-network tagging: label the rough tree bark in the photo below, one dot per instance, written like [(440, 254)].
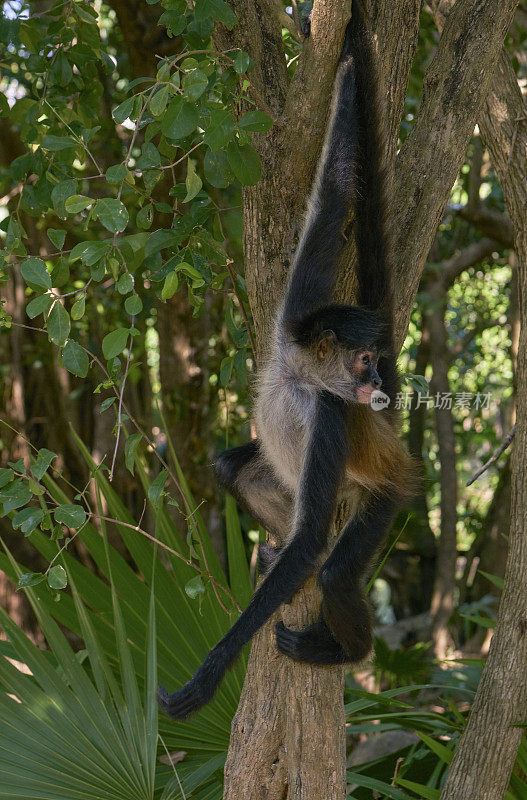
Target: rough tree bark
[(288, 734), (485, 755), (443, 597)]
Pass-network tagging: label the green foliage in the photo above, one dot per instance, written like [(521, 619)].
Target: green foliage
[(95, 710), (61, 60)]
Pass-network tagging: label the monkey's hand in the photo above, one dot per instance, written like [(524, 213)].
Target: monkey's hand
[(180, 705), (197, 692)]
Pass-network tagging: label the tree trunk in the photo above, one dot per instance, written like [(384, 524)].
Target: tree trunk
[(443, 596), (288, 733), (485, 755)]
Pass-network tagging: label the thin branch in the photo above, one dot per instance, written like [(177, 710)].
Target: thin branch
[(120, 408), (468, 257), (501, 449), (232, 273), (183, 795), (215, 584)]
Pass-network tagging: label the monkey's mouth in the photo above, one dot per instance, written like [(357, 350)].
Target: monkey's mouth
[(364, 393)]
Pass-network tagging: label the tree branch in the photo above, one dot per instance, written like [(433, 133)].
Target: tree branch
[(490, 222), (462, 260), (501, 449), (455, 87)]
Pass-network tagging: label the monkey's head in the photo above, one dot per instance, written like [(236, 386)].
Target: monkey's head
[(349, 372)]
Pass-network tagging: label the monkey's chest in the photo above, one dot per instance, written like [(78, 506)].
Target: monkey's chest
[(282, 415)]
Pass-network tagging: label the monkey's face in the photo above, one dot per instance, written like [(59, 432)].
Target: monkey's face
[(351, 374), (363, 369)]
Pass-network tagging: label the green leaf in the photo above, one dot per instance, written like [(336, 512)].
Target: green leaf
[(15, 495), (170, 286), (123, 111), (57, 578), (60, 273), (78, 308), (194, 587), (60, 194), (125, 284), (105, 405), (226, 370), (61, 71), (34, 272), (446, 754), (116, 174), (181, 119), (30, 579), (6, 476), (255, 121), (75, 359), (114, 342), (56, 236), (112, 214), (242, 62), (382, 789), (56, 143), (145, 217), (422, 791), (192, 182), (494, 579), (36, 487), (217, 169), (27, 520), (220, 129), (71, 515), (58, 324), (216, 10), (155, 490), (158, 101), (174, 21), (40, 466), (39, 305), (77, 203), (89, 252), (133, 305), (194, 84), (130, 447), (245, 163)]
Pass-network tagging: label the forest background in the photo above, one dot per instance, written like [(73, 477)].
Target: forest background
[(154, 163)]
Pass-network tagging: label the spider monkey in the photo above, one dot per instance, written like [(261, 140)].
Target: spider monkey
[(319, 440)]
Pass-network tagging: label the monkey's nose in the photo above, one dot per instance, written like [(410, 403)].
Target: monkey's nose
[(377, 383)]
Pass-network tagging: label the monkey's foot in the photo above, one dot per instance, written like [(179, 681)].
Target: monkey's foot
[(313, 645), (183, 703)]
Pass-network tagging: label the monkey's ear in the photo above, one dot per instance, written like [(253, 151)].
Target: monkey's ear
[(326, 345)]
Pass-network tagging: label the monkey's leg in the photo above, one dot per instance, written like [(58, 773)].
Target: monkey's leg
[(344, 631), (322, 473), (244, 472)]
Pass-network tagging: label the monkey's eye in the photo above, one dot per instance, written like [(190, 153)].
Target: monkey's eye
[(365, 359)]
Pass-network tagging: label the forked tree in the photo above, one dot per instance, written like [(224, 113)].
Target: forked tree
[(287, 737)]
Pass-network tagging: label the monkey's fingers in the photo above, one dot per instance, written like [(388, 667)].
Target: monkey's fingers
[(183, 703)]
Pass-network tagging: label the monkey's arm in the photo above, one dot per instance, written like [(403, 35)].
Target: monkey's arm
[(316, 261), (316, 499), (343, 632)]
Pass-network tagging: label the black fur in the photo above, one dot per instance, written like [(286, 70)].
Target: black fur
[(321, 476), (343, 632), (350, 174)]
